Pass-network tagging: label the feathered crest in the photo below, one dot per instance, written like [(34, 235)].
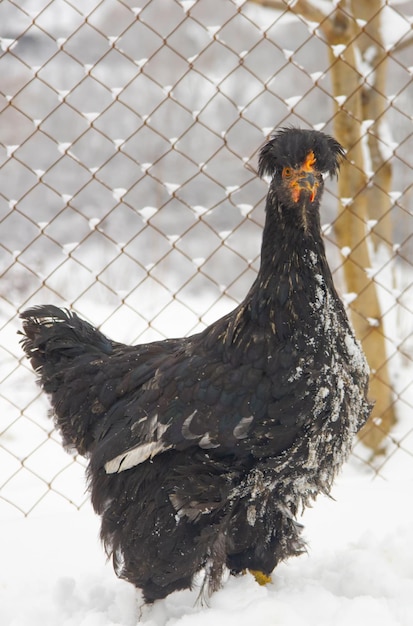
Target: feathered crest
[(291, 146)]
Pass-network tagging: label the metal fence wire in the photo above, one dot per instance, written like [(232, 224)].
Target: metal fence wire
[(129, 132)]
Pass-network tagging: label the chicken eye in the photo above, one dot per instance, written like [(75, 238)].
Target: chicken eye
[(287, 172)]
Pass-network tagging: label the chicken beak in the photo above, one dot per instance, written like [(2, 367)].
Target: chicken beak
[(303, 179), (307, 182)]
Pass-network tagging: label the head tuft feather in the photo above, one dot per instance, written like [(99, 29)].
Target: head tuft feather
[(291, 146)]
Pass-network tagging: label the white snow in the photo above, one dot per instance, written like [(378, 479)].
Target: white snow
[(67, 248), (10, 150), (230, 189), (93, 222), (316, 76), (116, 91), (199, 209), (171, 187), (288, 53), (338, 49), (395, 25), (63, 147), (358, 572), (118, 193), (373, 322), (7, 43), (267, 130), (198, 261), (245, 209), (340, 100), (187, 5), (291, 102), (62, 93), (348, 297), (212, 30), (223, 234), (147, 212), (91, 116)]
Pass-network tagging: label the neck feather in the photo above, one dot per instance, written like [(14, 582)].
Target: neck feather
[(294, 276)]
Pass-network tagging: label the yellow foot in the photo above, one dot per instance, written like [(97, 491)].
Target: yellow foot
[(260, 577)]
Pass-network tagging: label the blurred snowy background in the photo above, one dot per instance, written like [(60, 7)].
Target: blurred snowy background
[(129, 131)]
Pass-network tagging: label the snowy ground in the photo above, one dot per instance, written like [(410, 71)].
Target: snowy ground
[(359, 571)]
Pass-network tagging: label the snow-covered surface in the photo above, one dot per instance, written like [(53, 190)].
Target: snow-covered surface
[(358, 572)]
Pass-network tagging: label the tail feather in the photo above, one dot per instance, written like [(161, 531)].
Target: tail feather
[(54, 334), (67, 354)]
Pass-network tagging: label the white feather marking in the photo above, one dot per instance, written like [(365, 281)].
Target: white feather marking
[(161, 429), (206, 443), (241, 430), (134, 457), (185, 427)]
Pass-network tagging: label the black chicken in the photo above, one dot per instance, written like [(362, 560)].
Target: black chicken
[(202, 450)]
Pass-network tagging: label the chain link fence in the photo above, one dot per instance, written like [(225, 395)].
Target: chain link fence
[(128, 139)]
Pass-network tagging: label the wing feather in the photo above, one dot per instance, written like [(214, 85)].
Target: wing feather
[(135, 456), (197, 397)]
